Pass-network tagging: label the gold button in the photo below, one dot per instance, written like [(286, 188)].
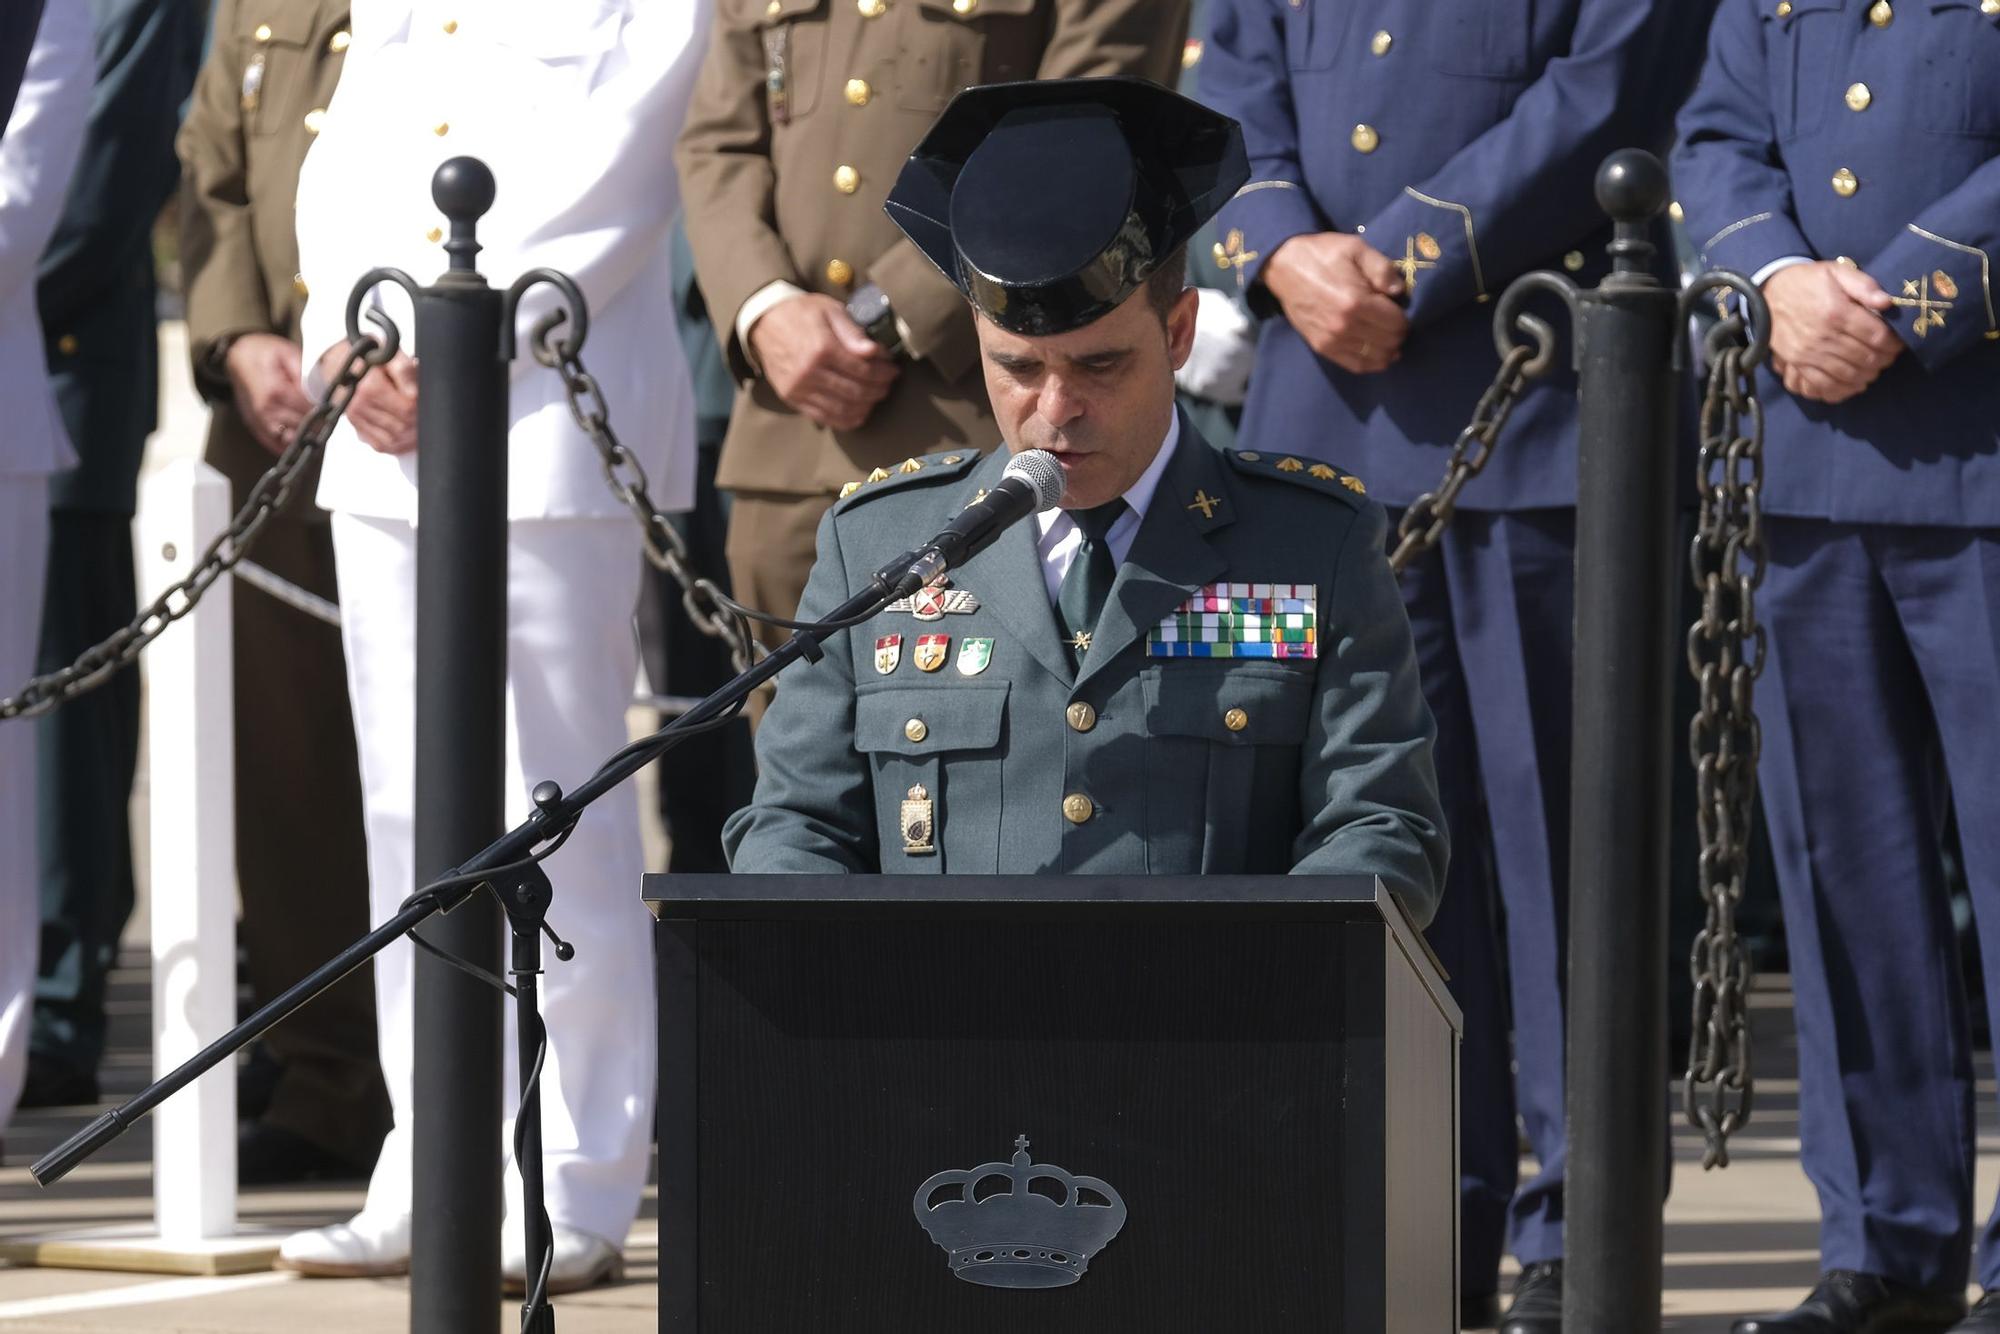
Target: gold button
[(434, 235), (915, 729), (773, 9), (964, 8), (315, 119), (66, 345), (1784, 8), (1989, 7), (839, 272), (858, 92), (1236, 720), (1676, 212), (846, 180), (1382, 43), (340, 41), (1081, 716), (1845, 183), (299, 284), (1881, 13), (263, 33), (1077, 808), (1249, 456), (450, 27), (1858, 96), (1364, 139), (441, 129), (1573, 261), (872, 9)]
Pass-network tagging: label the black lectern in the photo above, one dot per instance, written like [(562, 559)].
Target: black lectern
[(995, 1104)]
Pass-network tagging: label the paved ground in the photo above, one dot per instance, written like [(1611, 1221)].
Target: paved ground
[(1738, 1241)]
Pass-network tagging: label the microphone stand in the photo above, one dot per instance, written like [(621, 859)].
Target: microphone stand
[(525, 892)]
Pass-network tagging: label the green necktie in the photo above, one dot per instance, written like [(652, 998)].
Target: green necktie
[(1087, 583)]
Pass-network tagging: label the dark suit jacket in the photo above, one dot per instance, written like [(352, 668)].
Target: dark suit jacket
[(96, 288)]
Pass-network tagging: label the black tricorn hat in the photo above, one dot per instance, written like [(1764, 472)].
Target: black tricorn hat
[(1049, 203)]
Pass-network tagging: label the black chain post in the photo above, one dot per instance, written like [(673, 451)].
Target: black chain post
[(460, 768)]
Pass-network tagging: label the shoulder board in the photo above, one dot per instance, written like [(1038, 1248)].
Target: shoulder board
[(1309, 473), (910, 472)]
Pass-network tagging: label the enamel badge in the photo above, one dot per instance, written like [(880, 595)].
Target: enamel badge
[(917, 822), (888, 652), (933, 604), (930, 651), (974, 656)]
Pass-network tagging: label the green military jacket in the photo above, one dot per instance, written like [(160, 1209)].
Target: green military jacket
[(984, 753)]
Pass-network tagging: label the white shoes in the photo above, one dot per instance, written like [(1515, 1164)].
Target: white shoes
[(581, 1261), (365, 1246)]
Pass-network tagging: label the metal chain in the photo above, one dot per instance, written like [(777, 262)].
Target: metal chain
[(99, 663), (1725, 649), (665, 547), (1424, 522)]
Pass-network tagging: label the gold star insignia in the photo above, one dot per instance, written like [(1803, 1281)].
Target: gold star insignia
[(909, 465), (849, 489), (879, 475), (1322, 472), (1290, 465), (1354, 484)]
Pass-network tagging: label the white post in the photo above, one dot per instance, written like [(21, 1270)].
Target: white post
[(190, 736)]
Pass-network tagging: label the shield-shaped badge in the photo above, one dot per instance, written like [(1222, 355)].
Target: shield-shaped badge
[(974, 655), (930, 652), (888, 652)]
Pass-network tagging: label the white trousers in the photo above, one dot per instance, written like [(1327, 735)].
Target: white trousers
[(571, 662), (24, 553)]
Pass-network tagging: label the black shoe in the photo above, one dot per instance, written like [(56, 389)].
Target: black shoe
[(268, 1155), (1480, 1312), (50, 1085), (1538, 1301), (1983, 1318), (1848, 1302)]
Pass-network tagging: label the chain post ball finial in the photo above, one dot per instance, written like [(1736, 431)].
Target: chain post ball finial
[(1632, 188), (463, 189)]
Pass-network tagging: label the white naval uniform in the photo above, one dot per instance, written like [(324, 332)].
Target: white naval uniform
[(38, 153), (575, 105)]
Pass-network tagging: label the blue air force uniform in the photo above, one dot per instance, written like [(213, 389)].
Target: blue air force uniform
[(1869, 134), (1462, 141)]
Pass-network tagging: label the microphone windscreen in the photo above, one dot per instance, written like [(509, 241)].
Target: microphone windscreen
[(1039, 469)]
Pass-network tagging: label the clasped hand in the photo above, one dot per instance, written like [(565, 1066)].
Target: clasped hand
[(1829, 341)]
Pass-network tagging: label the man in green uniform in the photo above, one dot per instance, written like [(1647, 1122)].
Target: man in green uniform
[(1200, 663)]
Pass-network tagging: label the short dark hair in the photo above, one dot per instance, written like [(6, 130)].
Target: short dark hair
[(1166, 283)]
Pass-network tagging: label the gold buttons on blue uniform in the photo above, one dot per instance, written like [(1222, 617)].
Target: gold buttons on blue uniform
[(1365, 139), (915, 729), (1989, 7), (1236, 720), (1573, 261), (1858, 97), (1784, 9), (67, 345), (1382, 43), (1077, 808), (1081, 717), (1882, 13), (1845, 183)]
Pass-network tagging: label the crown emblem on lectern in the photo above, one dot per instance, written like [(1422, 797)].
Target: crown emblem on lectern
[(1019, 1224)]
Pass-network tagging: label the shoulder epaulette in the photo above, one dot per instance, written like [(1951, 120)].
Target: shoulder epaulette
[(1302, 472), (931, 468)]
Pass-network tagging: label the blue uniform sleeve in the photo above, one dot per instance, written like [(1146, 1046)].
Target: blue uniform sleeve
[(1243, 76), (814, 808), (1940, 270), (1368, 784), (1523, 188), (1733, 186)]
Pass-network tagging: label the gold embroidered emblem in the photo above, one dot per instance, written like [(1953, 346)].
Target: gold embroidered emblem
[(1422, 244), (849, 489), (1929, 298), (1290, 465), (1322, 472), (1205, 503), (909, 465), (879, 475), (1230, 254), (918, 823), (1080, 641), (1354, 484)]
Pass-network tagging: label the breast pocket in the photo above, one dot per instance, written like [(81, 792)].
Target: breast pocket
[(1223, 785), (946, 45), (1807, 49), (1959, 91), (1488, 39), (791, 37), (1314, 34), (936, 755), (278, 66)]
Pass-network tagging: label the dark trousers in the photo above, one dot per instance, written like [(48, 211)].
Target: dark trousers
[(707, 778), (87, 751), (1490, 610), (1878, 711)]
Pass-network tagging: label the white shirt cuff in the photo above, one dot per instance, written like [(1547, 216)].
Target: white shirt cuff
[(1763, 275), (756, 307)]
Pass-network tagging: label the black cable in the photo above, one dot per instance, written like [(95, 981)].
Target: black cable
[(465, 966), (672, 735), (490, 873)]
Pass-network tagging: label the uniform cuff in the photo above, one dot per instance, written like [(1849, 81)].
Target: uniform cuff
[(1263, 216), (755, 307)]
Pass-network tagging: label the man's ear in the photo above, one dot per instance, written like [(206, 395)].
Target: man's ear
[(1180, 326)]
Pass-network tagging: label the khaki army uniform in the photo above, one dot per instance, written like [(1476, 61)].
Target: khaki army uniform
[(802, 118), (301, 859)]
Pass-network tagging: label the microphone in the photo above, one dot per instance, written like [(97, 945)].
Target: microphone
[(1033, 482)]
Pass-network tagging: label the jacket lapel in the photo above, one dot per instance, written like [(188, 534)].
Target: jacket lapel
[(1007, 576), (1171, 556)]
